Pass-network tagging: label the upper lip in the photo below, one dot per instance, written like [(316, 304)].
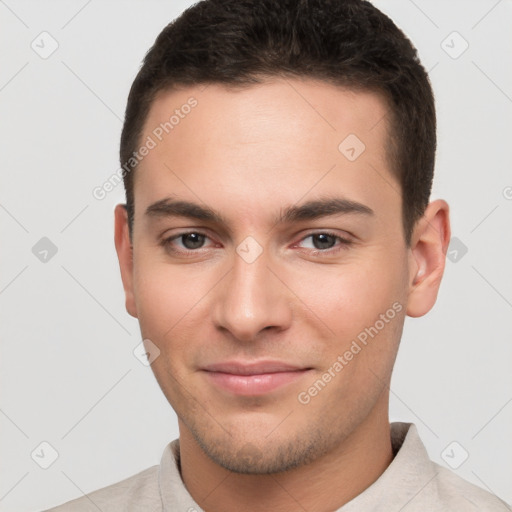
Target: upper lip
[(252, 368)]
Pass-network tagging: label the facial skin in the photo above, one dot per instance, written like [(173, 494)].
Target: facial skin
[(249, 155)]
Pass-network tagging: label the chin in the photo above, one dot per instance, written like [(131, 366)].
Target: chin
[(250, 454)]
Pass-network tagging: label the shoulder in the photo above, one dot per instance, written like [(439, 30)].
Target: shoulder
[(139, 492), (455, 493)]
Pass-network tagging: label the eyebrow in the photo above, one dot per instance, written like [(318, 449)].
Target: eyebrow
[(308, 211), (323, 208), (173, 208)]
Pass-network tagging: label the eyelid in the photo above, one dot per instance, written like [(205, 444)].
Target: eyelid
[(327, 231), (344, 241), (167, 239), (181, 230)]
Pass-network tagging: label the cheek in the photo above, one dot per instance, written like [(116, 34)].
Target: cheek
[(157, 302), (362, 305), (169, 313), (168, 299), (347, 298)]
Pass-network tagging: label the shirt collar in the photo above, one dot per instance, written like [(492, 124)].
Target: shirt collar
[(410, 473)]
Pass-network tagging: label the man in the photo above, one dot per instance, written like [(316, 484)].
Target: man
[(278, 160)]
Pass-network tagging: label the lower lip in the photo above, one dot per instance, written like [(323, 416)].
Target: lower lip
[(252, 385)]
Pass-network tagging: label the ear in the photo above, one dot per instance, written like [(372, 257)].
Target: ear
[(125, 255), (427, 257)]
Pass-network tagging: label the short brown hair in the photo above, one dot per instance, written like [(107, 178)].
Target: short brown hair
[(346, 42)]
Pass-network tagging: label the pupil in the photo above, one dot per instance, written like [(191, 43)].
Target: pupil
[(323, 241), (192, 240)]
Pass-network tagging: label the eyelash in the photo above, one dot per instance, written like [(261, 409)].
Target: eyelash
[(344, 244)]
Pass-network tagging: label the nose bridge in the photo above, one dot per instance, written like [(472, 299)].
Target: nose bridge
[(251, 298)]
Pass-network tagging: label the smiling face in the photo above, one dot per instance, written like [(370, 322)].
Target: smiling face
[(265, 247)]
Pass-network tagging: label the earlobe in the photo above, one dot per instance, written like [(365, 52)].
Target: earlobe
[(124, 251), (427, 258)]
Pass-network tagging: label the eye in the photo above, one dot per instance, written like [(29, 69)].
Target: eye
[(324, 242), (192, 240), (187, 242)]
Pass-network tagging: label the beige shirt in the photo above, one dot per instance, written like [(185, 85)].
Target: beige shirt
[(411, 483)]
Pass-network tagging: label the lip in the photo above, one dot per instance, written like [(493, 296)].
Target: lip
[(253, 378)]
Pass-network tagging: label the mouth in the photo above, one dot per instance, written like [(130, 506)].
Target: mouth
[(253, 379)]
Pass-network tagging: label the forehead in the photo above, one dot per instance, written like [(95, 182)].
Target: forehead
[(285, 139)]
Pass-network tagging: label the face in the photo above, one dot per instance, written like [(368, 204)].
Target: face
[(269, 266)]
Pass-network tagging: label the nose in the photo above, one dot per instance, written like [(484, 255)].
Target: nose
[(250, 299)]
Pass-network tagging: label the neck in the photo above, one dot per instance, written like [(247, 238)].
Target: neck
[(325, 484)]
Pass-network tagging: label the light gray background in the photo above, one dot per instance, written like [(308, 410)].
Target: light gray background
[(68, 374)]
